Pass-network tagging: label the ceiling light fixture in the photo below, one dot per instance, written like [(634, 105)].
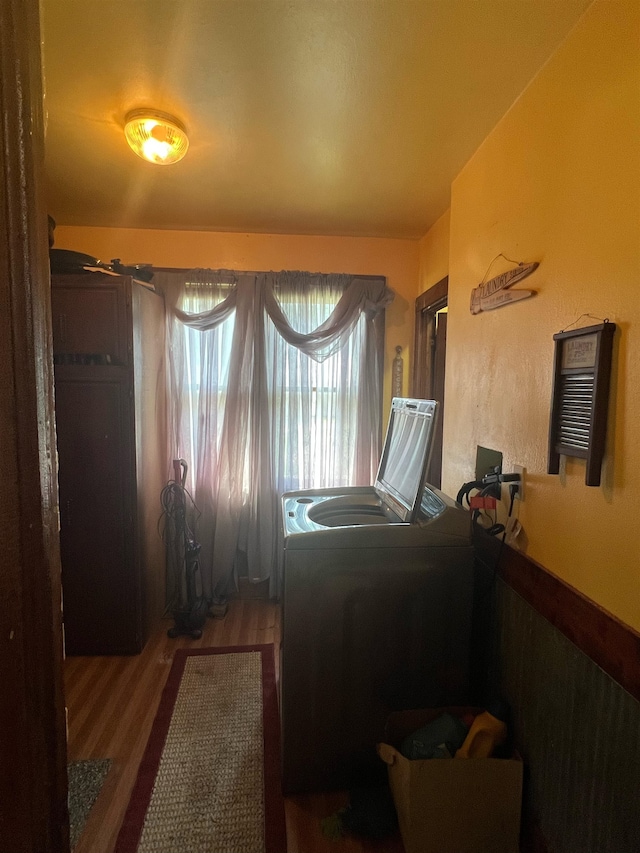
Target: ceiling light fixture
[(155, 136)]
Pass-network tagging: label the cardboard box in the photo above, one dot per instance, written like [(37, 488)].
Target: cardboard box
[(455, 805)]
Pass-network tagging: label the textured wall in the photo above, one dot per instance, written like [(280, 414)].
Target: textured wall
[(557, 181), (434, 254)]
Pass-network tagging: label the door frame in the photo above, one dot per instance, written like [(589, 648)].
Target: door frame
[(422, 378), (33, 784)]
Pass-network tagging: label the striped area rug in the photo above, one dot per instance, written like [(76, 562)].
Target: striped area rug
[(209, 781)]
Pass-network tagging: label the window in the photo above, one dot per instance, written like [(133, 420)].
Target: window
[(312, 406), (253, 415)]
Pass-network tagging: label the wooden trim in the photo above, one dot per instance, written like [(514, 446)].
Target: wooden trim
[(434, 295), (431, 299), (33, 784), (428, 366), (612, 645)]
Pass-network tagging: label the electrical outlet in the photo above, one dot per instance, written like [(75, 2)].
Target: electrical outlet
[(518, 469)]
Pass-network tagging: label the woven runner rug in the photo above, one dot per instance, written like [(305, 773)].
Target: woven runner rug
[(209, 781)]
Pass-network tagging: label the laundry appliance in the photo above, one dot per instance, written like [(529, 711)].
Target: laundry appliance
[(377, 599)]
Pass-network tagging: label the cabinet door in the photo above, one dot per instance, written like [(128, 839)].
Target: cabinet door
[(90, 319), (99, 575)]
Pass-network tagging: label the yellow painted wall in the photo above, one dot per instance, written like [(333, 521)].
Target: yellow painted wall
[(396, 259), (434, 253), (557, 181)]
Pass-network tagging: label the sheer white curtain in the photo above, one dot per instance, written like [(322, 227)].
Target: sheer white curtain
[(274, 384)]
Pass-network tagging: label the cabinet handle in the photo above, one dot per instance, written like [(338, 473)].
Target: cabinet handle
[(69, 514)]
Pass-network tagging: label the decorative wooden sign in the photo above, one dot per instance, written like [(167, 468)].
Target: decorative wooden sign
[(580, 399), (495, 293), (397, 374)]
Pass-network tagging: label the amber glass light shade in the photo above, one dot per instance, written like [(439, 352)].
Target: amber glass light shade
[(156, 137)]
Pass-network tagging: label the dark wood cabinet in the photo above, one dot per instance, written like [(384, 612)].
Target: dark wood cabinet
[(91, 319), (108, 354)]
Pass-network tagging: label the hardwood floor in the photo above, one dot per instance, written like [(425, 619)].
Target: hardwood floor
[(111, 705)]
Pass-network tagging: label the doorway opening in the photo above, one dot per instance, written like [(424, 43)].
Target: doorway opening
[(430, 344)]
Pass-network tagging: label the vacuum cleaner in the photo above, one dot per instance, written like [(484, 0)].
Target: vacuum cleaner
[(188, 608)]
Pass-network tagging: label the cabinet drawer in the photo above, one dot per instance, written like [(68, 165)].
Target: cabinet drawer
[(89, 322)]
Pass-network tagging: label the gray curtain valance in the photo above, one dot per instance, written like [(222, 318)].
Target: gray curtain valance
[(361, 295)]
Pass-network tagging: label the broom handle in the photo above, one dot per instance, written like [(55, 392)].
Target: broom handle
[(180, 471)]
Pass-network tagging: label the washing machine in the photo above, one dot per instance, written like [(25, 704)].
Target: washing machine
[(377, 600)]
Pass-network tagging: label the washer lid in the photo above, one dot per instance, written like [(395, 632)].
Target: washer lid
[(405, 458)]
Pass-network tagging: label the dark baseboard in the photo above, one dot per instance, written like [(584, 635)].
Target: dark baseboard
[(612, 645)]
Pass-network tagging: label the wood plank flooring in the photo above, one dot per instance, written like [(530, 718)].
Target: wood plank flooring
[(111, 705)]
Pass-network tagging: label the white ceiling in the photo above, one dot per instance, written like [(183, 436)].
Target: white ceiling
[(344, 117)]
